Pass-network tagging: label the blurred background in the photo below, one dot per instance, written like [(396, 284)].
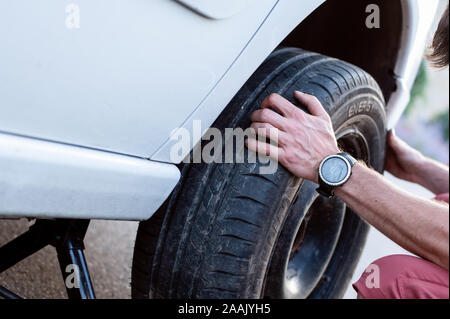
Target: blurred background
[(109, 244)]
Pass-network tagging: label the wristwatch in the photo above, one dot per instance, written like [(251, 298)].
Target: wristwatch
[(334, 171)]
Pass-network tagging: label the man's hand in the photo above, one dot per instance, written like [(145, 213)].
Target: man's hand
[(402, 160), (304, 140)]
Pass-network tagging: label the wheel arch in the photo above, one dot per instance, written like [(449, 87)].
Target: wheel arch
[(346, 37), (391, 54)]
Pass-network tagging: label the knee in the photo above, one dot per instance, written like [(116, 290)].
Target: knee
[(443, 198), (403, 277), (380, 279)]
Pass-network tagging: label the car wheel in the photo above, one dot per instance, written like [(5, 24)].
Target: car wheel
[(228, 231)]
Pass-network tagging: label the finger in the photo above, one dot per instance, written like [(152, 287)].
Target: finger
[(312, 103), (270, 117), (263, 148), (266, 130), (280, 104)]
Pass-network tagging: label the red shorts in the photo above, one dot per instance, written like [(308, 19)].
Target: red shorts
[(404, 277)]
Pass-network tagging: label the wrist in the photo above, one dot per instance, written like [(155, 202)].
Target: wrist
[(348, 187)]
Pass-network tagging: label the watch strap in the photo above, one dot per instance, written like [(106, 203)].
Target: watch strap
[(349, 158), (325, 190)]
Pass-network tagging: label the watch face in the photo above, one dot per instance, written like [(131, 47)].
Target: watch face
[(335, 170)]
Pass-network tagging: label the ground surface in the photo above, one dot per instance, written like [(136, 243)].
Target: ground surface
[(109, 249)]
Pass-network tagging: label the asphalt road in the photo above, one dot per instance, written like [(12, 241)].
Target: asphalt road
[(109, 251)]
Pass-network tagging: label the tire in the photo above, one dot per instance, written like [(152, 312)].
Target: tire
[(229, 232)]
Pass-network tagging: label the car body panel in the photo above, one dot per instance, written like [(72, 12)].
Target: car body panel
[(122, 80), (217, 9), (268, 37), (418, 17), (49, 180)]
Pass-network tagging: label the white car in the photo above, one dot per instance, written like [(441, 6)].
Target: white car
[(93, 93)]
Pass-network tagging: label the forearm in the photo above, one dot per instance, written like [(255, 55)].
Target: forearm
[(433, 176), (419, 225)]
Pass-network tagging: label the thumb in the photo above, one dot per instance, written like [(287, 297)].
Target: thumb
[(392, 138)]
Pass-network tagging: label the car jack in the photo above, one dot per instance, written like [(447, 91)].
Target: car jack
[(67, 237)]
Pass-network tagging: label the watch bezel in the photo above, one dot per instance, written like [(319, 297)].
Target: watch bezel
[(346, 178)]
